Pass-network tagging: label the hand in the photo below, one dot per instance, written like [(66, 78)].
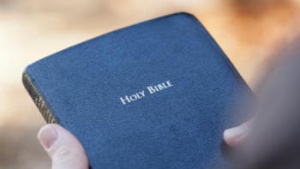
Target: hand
[(235, 136), (63, 148), (66, 152)]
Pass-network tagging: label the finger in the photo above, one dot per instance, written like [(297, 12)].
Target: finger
[(235, 136), (64, 149)]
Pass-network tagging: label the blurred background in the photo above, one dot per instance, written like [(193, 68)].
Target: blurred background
[(250, 32)]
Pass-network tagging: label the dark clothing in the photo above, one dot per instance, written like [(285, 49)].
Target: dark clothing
[(274, 141)]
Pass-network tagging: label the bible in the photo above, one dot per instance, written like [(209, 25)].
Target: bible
[(155, 95)]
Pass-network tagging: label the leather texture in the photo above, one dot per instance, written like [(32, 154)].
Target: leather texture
[(179, 127)]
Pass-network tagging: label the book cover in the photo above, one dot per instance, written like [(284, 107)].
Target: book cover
[(155, 95)]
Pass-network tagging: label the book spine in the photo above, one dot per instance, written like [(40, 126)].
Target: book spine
[(38, 99)]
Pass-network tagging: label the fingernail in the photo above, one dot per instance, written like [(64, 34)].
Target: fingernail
[(233, 132), (234, 136), (47, 136)]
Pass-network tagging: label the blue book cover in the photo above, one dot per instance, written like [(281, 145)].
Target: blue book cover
[(155, 95)]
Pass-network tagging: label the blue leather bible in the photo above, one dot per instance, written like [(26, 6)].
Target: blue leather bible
[(155, 95)]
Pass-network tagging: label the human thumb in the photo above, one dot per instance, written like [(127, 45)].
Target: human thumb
[(63, 148)]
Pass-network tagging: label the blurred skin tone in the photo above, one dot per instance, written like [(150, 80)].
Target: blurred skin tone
[(66, 152)]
